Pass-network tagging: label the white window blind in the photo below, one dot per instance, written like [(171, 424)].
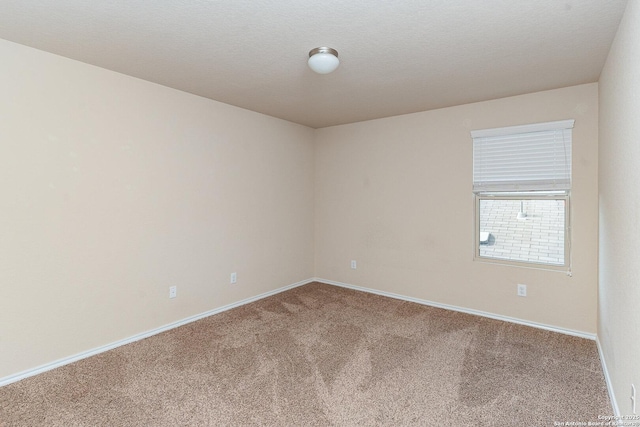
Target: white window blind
[(523, 158)]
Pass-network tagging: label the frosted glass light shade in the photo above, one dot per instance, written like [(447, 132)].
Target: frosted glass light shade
[(323, 60)]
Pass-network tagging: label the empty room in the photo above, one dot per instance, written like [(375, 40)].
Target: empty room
[(320, 213)]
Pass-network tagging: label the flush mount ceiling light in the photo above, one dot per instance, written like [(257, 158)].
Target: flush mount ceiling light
[(323, 60)]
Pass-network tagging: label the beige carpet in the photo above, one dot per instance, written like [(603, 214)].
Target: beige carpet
[(323, 355)]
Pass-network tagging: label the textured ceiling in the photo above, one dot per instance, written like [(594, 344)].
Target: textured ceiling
[(396, 57)]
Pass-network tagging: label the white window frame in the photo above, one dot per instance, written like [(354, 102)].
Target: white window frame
[(528, 190), (562, 195)]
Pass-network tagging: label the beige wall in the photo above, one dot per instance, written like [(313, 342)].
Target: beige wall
[(395, 195), (619, 180), (114, 189)]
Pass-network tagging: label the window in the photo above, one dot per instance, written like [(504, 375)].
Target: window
[(522, 186)]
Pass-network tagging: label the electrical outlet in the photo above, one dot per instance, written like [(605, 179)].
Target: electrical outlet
[(633, 399), (353, 264), (173, 291), (234, 278), (522, 290)]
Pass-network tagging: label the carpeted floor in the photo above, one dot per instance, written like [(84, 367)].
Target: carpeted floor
[(324, 355)]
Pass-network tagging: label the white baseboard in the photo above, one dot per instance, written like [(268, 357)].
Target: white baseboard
[(66, 360), (462, 309), (607, 378)]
